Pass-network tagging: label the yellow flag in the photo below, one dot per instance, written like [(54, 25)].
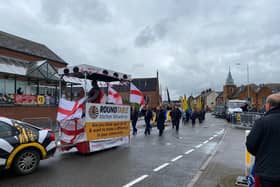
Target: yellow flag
[(199, 104)]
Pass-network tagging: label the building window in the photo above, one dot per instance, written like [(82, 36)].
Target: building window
[(26, 92)]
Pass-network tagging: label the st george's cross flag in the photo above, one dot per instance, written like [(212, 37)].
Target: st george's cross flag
[(136, 96), (114, 96)]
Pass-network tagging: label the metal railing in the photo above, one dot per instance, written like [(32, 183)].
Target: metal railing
[(245, 119), (248, 119)]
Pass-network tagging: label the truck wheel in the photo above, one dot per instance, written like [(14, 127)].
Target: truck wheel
[(26, 161)]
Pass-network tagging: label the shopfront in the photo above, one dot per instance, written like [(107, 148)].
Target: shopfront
[(28, 89)]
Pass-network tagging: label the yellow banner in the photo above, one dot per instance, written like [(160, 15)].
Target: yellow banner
[(106, 130)]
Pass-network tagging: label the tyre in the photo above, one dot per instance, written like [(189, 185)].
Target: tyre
[(26, 161)]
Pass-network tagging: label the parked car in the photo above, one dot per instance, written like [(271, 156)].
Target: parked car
[(23, 145), (220, 111)]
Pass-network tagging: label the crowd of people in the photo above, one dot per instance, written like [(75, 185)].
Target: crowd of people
[(160, 115)]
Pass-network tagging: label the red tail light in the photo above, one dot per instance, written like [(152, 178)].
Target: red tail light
[(52, 136)]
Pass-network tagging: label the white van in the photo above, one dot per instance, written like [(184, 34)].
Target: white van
[(234, 106)]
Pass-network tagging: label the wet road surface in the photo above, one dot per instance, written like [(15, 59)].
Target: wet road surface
[(170, 160)]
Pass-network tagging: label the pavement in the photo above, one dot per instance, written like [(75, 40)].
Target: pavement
[(225, 163)]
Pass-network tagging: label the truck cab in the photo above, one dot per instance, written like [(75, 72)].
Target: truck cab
[(234, 107)]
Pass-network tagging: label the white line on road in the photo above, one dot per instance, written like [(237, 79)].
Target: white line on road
[(215, 135), (205, 141), (177, 158), (211, 138), (161, 167), (136, 181), (189, 151), (198, 146)]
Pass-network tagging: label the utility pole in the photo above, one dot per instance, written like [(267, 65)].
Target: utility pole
[(248, 92)]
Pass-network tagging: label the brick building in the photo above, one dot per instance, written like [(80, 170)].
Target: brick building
[(256, 94), (148, 86), (28, 81)]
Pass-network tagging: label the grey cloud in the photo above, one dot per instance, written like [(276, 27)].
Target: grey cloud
[(67, 11), (151, 34), (191, 42)]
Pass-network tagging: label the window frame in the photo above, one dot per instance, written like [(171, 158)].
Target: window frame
[(13, 130)]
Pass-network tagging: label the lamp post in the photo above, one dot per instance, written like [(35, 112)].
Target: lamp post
[(248, 91)]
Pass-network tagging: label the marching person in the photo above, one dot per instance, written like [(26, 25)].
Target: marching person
[(172, 115), (263, 143), (177, 117), (148, 115), (193, 117), (160, 120), (134, 117)]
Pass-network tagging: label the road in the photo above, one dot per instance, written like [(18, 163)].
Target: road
[(170, 160)]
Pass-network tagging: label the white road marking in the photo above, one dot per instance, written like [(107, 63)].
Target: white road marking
[(211, 138), (205, 141), (215, 135), (168, 143), (177, 158), (198, 146), (189, 151), (136, 181), (160, 167)]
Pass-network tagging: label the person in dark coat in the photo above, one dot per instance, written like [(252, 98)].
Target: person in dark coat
[(177, 117), (172, 115), (263, 143), (245, 107), (134, 117), (187, 115), (193, 117), (95, 94), (160, 118), (148, 117)]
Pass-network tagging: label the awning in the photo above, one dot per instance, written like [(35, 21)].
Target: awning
[(40, 69)]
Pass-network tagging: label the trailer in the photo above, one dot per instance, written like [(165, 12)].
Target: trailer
[(90, 126)]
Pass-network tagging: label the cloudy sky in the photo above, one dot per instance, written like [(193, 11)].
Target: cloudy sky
[(191, 43)]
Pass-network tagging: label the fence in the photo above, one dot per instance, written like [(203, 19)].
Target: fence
[(42, 122), (244, 120), (248, 119)]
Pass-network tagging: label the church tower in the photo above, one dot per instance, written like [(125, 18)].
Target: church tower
[(229, 87)]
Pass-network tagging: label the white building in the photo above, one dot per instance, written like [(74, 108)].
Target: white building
[(210, 99)]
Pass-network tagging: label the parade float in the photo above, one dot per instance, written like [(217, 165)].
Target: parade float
[(86, 125)]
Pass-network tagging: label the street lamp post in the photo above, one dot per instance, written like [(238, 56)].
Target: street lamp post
[(248, 91)]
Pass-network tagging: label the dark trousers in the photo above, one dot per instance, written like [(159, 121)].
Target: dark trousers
[(193, 121), (134, 127), (160, 132), (269, 183), (177, 123), (173, 123), (148, 127)]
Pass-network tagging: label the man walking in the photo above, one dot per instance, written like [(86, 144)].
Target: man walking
[(177, 117), (148, 115), (134, 118), (160, 118), (263, 143), (172, 115)]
